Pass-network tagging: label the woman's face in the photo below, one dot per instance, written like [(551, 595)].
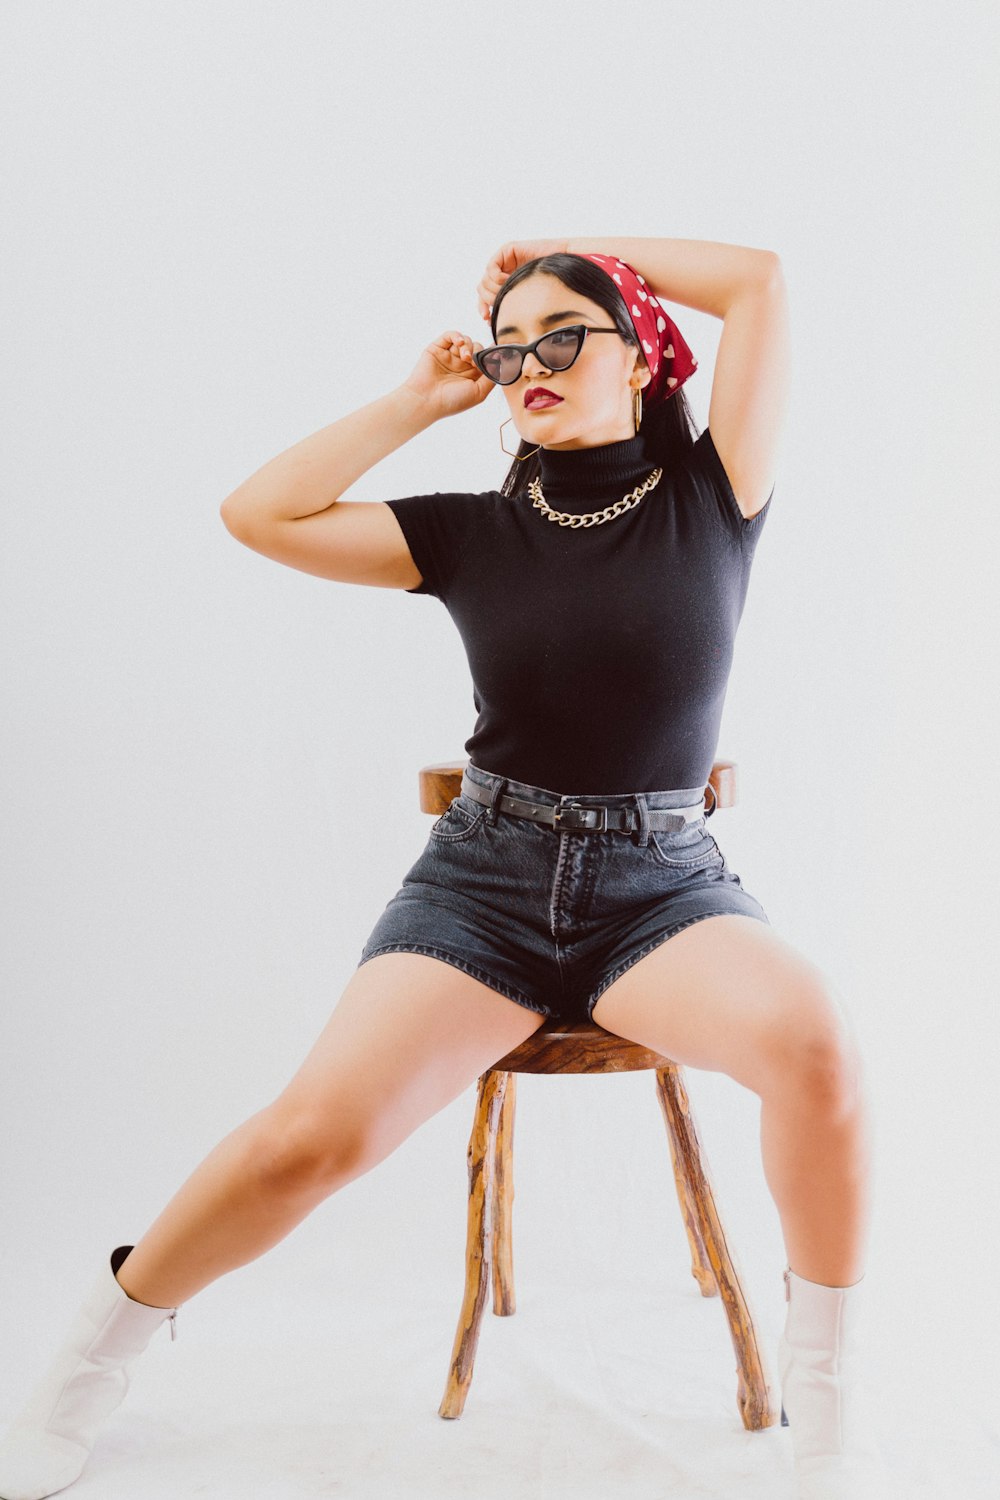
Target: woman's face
[(597, 396)]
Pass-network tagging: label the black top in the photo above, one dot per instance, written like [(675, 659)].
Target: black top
[(599, 654)]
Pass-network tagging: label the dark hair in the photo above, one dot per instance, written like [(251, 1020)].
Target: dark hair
[(669, 423)]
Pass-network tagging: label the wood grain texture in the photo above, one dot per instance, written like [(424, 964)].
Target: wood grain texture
[(586, 1047), (754, 1390), (490, 1096)]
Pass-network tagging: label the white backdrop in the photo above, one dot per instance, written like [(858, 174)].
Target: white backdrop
[(228, 225)]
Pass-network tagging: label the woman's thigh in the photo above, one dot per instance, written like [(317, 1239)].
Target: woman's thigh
[(408, 1035), (730, 995)]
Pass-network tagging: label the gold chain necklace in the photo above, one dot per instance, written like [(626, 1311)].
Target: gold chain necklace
[(596, 517)]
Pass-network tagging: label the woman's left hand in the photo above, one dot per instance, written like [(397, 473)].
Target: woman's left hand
[(506, 261)]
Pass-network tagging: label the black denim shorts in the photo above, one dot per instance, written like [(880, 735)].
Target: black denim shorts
[(550, 917)]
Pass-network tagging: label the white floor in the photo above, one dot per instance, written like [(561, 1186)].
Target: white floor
[(280, 1384)]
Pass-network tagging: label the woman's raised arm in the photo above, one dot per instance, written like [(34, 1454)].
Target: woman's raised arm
[(291, 510)]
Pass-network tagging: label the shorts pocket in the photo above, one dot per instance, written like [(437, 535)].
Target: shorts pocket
[(689, 848), (462, 819)]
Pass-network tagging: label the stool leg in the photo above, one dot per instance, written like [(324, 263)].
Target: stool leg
[(489, 1103), (754, 1391), (502, 1179), (701, 1266)]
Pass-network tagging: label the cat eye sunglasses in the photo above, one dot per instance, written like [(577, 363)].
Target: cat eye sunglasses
[(503, 363)]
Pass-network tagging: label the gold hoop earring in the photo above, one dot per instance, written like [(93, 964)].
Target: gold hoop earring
[(637, 408), (519, 456)]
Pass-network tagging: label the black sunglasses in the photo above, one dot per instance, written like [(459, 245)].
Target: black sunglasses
[(503, 363)]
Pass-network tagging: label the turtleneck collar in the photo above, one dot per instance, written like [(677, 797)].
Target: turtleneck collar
[(579, 477)]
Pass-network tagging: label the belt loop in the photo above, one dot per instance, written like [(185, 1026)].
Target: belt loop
[(643, 812), (495, 795)]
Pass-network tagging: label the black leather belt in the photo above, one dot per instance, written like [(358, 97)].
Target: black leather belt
[(595, 819)]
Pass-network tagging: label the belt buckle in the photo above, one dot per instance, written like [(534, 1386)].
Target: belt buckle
[(559, 814)]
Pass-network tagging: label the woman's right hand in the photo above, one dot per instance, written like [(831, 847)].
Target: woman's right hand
[(446, 377)]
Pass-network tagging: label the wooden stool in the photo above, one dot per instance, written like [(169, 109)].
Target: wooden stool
[(586, 1047)]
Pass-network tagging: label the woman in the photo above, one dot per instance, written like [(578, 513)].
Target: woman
[(598, 596)]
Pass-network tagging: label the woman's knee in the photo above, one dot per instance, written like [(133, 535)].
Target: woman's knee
[(296, 1150), (816, 1050)]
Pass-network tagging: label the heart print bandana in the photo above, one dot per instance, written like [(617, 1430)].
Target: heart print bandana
[(667, 355)]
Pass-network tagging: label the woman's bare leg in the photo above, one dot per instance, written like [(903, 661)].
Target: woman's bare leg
[(409, 1034), (816, 1152), (730, 995), (228, 1212)]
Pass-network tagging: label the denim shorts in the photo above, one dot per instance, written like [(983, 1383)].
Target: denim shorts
[(550, 917)]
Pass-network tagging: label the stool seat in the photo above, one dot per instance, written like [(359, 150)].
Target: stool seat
[(585, 1047), (577, 1047)]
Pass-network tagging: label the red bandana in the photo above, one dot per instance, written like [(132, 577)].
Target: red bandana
[(667, 355)]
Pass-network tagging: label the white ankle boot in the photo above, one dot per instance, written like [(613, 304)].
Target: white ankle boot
[(50, 1439), (830, 1417)]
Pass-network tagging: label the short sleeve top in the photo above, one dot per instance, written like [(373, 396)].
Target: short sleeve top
[(599, 655)]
